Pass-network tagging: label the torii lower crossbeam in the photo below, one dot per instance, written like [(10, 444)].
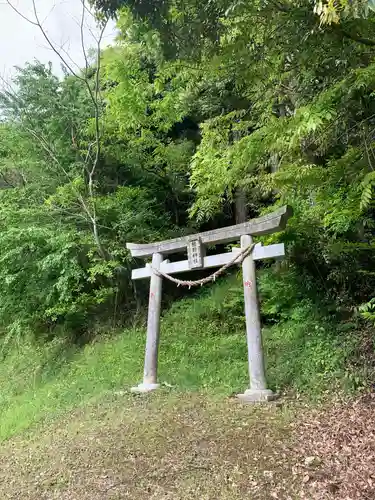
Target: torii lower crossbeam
[(259, 252)]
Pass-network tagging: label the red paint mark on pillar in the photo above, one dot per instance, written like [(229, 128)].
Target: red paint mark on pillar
[(152, 295), (247, 284)]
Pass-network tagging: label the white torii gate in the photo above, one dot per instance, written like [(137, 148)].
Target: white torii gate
[(195, 246)]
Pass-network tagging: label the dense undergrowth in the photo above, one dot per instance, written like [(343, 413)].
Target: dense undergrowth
[(203, 348)]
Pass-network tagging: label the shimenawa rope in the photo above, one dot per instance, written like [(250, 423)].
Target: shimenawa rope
[(238, 259)]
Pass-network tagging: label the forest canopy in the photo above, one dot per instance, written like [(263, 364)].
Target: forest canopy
[(198, 115)]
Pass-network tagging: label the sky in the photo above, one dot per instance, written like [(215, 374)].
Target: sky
[(21, 42)]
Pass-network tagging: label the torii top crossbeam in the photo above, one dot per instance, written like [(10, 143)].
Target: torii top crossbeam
[(267, 224)]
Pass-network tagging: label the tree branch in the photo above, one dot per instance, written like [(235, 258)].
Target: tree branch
[(20, 14), (355, 37), (281, 6), (2, 175), (94, 96), (358, 38), (82, 36)]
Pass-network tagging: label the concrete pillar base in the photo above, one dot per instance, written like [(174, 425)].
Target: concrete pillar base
[(142, 388), (257, 396)]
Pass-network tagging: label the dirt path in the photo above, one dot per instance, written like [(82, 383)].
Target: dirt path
[(191, 447)]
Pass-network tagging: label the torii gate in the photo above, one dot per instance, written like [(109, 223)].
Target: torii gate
[(195, 246)]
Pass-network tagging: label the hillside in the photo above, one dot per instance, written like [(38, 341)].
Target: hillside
[(72, 430), (202, 348), (198, 116)]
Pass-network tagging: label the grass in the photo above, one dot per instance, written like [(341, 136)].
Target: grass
[(203, 348)]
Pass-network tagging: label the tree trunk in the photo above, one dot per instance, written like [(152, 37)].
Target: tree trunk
[(240, 204)]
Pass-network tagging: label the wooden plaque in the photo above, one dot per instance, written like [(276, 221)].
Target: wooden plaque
[(195, 253)]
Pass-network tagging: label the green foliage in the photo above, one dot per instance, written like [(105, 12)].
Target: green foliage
[(199, 102), (184, 27), (368, 185), (64, 259), (307, 347), (367, 310), (331, 11)]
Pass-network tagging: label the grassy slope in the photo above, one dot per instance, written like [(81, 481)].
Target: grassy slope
[(203, 348), (71, 430)]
